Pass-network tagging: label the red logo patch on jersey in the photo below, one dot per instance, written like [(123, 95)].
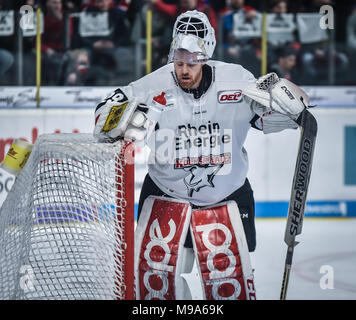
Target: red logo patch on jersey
[(160, 99), (229, 96)]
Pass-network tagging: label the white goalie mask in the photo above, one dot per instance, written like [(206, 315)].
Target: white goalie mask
[(194, 34)]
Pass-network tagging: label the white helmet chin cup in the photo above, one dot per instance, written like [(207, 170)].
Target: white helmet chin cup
[(193, 32)]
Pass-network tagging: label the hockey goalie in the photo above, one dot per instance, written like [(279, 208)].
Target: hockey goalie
[(196, 201)]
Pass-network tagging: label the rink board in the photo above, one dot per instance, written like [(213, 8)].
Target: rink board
[(279, 209)]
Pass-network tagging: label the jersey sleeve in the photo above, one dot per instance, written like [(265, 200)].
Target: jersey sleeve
[(145, 88)]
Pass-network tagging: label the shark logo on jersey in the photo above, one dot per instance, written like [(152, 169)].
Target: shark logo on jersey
[(202, 170), (200, 177)]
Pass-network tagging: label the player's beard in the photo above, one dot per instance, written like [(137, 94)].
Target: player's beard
[(187, 81)]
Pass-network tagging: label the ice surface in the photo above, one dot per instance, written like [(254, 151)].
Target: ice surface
[(327, 249)]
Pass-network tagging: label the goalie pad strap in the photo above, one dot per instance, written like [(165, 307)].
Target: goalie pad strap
[(222, 253), (160, 235)]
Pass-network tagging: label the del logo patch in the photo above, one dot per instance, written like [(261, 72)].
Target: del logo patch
[(229, 96)]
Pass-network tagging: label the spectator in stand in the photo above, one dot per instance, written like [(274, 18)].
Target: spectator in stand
[(10, 44), (53, 43), (78, 72), (108, 52), (242, 50), (31, 3), (351, 30), (72, 5), (6, 57), (130, 7), (161, 31), (53, 36), (236, 6), (282, 48), (286, 61), (284, 28), (6, 61), (174, 10), (279, 6), (351, 44), (317, 57), (316, 63), (217, 5)]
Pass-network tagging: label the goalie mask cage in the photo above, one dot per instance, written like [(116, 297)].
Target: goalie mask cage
[(67, 225)]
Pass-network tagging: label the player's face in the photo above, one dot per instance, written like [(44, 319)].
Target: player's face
[(188, 75)]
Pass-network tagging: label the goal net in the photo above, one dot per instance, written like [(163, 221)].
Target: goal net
[(67, 225)]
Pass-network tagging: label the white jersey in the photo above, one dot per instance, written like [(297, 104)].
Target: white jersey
[(198, 151)]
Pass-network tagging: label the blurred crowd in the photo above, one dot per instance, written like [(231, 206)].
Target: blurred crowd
[(93, 42)]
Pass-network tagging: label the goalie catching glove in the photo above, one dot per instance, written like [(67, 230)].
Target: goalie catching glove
[(279, 95), (118, 117)]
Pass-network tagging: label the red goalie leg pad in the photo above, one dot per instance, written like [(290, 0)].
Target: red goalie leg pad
[(221, 250), (160, 236)]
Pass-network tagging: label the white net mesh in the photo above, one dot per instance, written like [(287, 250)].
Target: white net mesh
[(64, 225)]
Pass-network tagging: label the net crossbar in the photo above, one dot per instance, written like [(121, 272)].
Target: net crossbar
[(66, 227)]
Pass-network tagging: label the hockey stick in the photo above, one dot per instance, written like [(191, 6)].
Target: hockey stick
[(308, 128)]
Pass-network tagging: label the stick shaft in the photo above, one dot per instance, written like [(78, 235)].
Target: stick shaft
[(38, 56), (299, 191), (287, 269)]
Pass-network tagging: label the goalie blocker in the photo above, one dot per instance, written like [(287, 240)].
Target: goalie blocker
[(220, 249)]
